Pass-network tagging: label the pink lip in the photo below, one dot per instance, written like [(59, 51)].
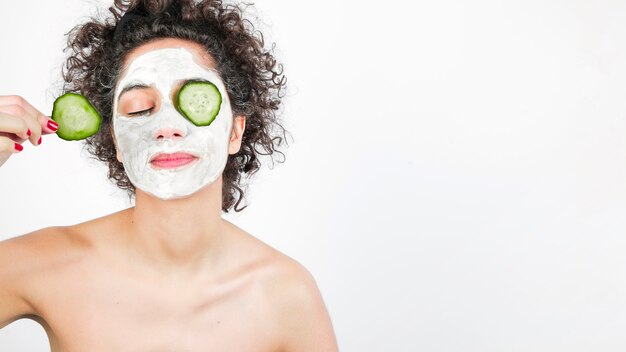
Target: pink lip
[(170, 161)]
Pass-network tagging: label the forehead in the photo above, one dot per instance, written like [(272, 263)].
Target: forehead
[(163, 65), (200, 55)]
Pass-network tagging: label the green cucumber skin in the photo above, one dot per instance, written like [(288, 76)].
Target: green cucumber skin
[(183, 102), (76, 101)]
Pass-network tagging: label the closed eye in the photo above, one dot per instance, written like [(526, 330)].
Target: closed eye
[(139, 113)]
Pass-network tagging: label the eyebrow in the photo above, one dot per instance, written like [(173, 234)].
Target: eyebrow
[(133, 86)]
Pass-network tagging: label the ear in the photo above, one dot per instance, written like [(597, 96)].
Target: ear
[(117, 149), (239, 125)]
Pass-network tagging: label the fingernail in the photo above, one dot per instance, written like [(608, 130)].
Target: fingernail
[(39, 141), (53, 125), (18, 147), (28, 132)]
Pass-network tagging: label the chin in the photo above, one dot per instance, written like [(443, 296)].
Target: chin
[(174, 193)]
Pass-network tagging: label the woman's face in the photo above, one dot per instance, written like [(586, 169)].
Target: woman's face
[(163, 153)]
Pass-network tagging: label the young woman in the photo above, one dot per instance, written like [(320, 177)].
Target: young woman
[(168, 274)]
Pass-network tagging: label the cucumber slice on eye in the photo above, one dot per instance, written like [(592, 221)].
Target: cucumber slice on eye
[(199, 101), (76, 117)]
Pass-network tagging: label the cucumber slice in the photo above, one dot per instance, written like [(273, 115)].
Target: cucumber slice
[(76, 117), (199, 101)]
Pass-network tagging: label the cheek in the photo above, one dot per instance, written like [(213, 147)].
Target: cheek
[(205, 137), (218, 131), (132, 134)]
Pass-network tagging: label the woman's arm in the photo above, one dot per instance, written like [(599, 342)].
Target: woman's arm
[(13, 305)]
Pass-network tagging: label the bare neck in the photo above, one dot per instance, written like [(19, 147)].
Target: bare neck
[(178, 235)]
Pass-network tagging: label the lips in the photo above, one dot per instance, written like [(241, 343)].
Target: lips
[(172, 160)]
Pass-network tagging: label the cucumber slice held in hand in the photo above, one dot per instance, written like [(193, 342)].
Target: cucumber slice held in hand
[(199, 101), (77, 118)]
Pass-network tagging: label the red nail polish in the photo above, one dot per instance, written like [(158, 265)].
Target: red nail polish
[(53, 125), (28, 132), (18, 147), (39, 141)]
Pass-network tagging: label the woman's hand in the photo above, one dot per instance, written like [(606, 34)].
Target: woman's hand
[(20, 121)]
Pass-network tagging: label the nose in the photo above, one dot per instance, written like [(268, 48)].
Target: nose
[(168, 133)]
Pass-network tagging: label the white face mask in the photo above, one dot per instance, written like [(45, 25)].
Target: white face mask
[(165, 69)]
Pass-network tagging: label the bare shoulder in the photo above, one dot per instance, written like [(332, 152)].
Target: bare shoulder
[(41, 248), (29, 252), (277, 266), (32, 264), (23, 260), (300, 311), (296, 302), (38, 250)]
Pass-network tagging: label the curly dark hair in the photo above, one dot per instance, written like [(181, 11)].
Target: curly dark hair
[(253, 78)]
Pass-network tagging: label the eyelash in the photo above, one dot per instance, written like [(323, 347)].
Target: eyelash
[(139, 113)]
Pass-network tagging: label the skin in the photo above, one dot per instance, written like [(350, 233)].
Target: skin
[(162, 276)]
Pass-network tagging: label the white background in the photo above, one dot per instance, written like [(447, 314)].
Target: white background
[(456, 180)]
